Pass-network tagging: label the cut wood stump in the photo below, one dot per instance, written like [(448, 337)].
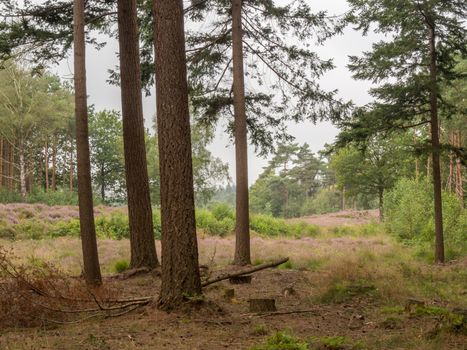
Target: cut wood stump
[(229, 294), (240, 279), (262, 305)]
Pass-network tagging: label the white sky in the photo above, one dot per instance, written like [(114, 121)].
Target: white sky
[(105, 96)]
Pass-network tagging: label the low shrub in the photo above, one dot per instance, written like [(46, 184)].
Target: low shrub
[(121, 265), (283, 341)]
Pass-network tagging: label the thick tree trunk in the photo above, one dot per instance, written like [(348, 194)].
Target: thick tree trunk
[(92, 271), (242, 228), (54, 166), (143, 247), (46, 162), (180, 270), (439, 240)]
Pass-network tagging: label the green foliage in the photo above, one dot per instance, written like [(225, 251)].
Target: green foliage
[(106, 147), (121, 265), (335, 343), (54, 197), (326, 200), (208, 222), (409, 216), (282, 341), (340, 292)]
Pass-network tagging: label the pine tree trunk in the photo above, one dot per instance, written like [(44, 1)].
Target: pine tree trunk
[(242, 228), (46, 161), (54, 166), (11, 169), (343, 198), (143, 247), (416, 158), (22, 170), (180, 270), (1, 162), (92, 272), (381, 202), (451, 176), (439, 239), (459, 182), (71, 168)]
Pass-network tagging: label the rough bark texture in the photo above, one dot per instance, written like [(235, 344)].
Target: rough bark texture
[(180, 270), (439, 240), (143, 247), (242, 228), (92, 272)]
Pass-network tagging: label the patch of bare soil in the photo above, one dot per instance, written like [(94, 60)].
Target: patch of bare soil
[(231, 326), (346, 217)]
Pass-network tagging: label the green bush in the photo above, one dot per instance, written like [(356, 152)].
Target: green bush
[(121, 265), (282, 341), (409, 215), (222, 211), (206, 221)]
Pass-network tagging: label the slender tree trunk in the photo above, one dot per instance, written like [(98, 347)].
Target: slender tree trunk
[(180, 270), (46, 162), (22, 170), (459, 182), (451, 176), (343, 198), (92, 271), (439, 240), (102, 183), (416, 158), (381, 203), (143, 247), (242, 228), (71, 169), (1, 162), (11, 168), (54, 166)]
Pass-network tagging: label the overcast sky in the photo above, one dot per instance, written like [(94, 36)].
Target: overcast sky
[(105, 96)]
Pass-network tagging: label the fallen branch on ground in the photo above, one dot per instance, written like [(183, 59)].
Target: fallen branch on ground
[(245, 271)]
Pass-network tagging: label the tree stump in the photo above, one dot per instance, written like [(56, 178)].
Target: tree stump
[(262, 305), (229, 294), (240, 279)]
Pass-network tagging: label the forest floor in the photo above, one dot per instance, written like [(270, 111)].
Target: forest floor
[(340, 290)]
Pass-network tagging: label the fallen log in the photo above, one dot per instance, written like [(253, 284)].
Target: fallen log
[(242, 272)]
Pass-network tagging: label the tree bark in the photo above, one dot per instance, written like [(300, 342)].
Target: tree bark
[(381, 202), (54, 166), (459, 184), (1, 162), (71, 169), (46, 163), (242, 227), (22, 170), (180, 270), (11, 168), (143, 247), (92, 272), (439, 239)]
